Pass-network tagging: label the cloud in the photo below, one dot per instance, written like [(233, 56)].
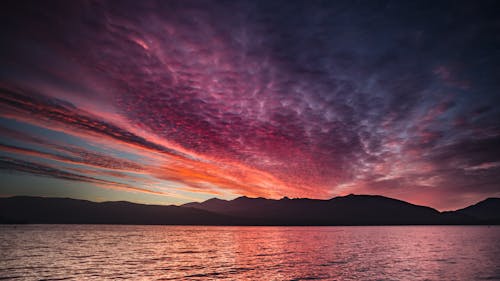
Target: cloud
[(86, 158), (52, 113), (17, 165)]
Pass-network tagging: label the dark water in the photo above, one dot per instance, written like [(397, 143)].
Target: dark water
[(100, 252)]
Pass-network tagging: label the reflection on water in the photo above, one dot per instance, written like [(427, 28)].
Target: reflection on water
[(103, 252)]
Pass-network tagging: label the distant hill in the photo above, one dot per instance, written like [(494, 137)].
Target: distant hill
[(346, 210), (487, 210), (24, 209)]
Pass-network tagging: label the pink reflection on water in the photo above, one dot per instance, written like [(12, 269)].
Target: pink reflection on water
[(97, 252)]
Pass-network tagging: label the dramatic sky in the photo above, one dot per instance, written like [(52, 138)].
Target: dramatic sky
[(175, 101)]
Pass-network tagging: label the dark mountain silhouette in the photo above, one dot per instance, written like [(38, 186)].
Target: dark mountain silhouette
[(346, 210), (487, 210), (24, 209)]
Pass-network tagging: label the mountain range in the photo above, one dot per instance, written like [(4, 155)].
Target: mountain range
[(344, 210)]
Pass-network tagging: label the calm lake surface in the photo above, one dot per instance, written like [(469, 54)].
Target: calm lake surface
[(105, 252)]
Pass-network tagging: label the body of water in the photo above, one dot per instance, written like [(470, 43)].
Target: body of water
[(111, 252)]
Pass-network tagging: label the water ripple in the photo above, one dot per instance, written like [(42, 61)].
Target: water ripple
[(105, 252)]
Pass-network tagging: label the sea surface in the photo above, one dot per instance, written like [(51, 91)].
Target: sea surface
[(113, 252)]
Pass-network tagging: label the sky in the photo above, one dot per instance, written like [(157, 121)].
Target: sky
[(168, 102)]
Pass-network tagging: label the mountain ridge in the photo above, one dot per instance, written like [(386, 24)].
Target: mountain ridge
[(488, 210), (342, 210), (28, 209)]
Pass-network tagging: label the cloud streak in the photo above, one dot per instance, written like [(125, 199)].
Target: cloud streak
[(12, 164)]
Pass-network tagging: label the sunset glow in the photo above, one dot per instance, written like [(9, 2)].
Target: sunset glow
[(176, 101)]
